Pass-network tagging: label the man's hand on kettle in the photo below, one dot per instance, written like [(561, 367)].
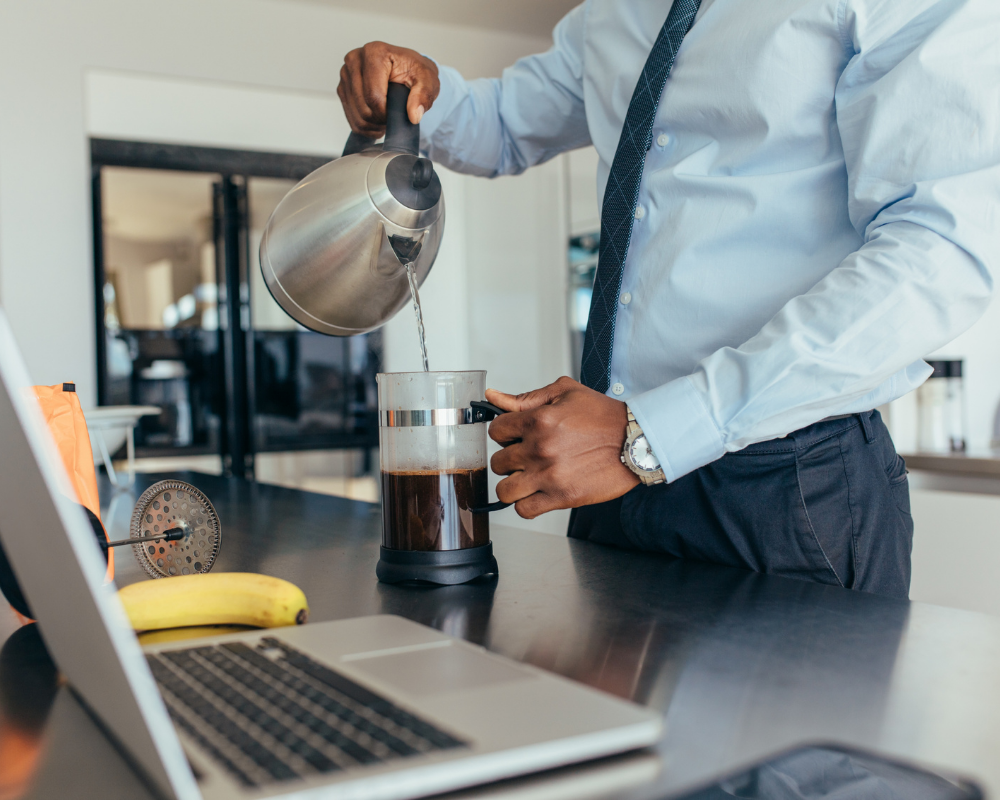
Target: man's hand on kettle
[(365, 79), (562, 448)]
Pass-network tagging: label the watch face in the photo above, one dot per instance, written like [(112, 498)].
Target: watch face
[(642, 456)]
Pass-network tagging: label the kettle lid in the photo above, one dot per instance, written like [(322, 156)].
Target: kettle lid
[(413, 182)]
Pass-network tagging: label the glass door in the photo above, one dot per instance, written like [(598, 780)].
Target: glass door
[(160, 307)]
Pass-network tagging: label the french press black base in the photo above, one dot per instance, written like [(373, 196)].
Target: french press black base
[(442, 567)]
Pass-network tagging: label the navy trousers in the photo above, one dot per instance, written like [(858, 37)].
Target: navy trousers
[(829, 503)]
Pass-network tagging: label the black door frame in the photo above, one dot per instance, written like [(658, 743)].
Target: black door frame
[(229, 200), (234, 167)]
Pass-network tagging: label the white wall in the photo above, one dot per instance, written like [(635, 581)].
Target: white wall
[(153, 108)]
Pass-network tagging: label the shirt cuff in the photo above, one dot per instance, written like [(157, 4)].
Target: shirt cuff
[(452, 88), (679, 429)]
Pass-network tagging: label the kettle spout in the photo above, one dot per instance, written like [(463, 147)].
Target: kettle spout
[(406, 248), (392, 252)]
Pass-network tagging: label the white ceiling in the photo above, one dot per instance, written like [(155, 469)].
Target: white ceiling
[(530, 17), (156, 205)]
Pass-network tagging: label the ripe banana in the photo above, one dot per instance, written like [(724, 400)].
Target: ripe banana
[(214, 598)]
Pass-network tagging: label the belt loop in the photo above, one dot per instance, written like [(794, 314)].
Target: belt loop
[(866, 425)]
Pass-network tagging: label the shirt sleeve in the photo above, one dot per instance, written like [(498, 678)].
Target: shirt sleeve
[(918, 111), (502, 126)]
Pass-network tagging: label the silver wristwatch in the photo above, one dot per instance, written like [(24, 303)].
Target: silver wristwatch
[(638, 456)]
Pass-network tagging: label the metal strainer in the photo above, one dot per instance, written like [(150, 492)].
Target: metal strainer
[(171, 505)]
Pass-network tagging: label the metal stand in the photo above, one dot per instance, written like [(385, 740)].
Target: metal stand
[(443, 567)]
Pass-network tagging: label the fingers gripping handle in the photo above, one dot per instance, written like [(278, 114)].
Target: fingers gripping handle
[(401, 135), (484, 412)]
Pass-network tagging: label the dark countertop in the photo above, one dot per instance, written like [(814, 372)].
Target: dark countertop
[(742, 665)]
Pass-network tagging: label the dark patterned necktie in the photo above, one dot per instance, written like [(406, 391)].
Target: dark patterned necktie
[(622, 192)]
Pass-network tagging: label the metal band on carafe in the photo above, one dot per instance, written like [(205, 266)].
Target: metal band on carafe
[(439, 417), (418, 418)]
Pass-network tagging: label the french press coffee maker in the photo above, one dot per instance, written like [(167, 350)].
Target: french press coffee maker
[(433, 459)]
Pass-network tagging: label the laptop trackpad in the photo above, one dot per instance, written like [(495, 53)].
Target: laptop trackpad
[(439, 669)]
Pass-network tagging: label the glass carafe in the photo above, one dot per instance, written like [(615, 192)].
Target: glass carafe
[(433, 460)]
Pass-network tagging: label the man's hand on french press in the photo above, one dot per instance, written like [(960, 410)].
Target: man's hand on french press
[(365, 79), (562, 448)]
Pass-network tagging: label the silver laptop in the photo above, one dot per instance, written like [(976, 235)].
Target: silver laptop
[(374, 707)]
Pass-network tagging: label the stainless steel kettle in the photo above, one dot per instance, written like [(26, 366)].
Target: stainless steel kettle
[(335, 250)]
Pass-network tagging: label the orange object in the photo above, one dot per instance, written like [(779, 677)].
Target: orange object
[(64, 415)]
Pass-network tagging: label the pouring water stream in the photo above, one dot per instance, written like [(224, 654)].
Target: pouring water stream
[(411, 276)]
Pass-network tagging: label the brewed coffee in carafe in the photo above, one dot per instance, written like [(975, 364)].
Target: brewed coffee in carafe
[(432, 455), (432, 509)]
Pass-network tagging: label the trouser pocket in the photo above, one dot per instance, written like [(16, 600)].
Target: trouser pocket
[(826, 499), (880, 509), (899, 484)]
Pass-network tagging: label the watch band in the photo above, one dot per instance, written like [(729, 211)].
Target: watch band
[(632, 432), (632, 424)]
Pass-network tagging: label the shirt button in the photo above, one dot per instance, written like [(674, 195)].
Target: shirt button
[(640, 212), (618, 389), (663, 140), (626, 298)]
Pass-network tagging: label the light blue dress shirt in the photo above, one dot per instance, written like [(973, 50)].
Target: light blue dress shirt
[(819, 210)]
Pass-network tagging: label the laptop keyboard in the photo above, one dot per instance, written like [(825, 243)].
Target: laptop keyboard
[(271, 713)]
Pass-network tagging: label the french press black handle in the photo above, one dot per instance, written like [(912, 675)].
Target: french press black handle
[(485, 412)]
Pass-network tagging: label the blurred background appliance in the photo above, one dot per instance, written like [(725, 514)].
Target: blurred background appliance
[(941, 424), (110, 427)]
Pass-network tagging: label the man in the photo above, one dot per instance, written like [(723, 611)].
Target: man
[(794, 213)]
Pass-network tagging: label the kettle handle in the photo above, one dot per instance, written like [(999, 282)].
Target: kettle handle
[(401, 135), (356, 143)]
